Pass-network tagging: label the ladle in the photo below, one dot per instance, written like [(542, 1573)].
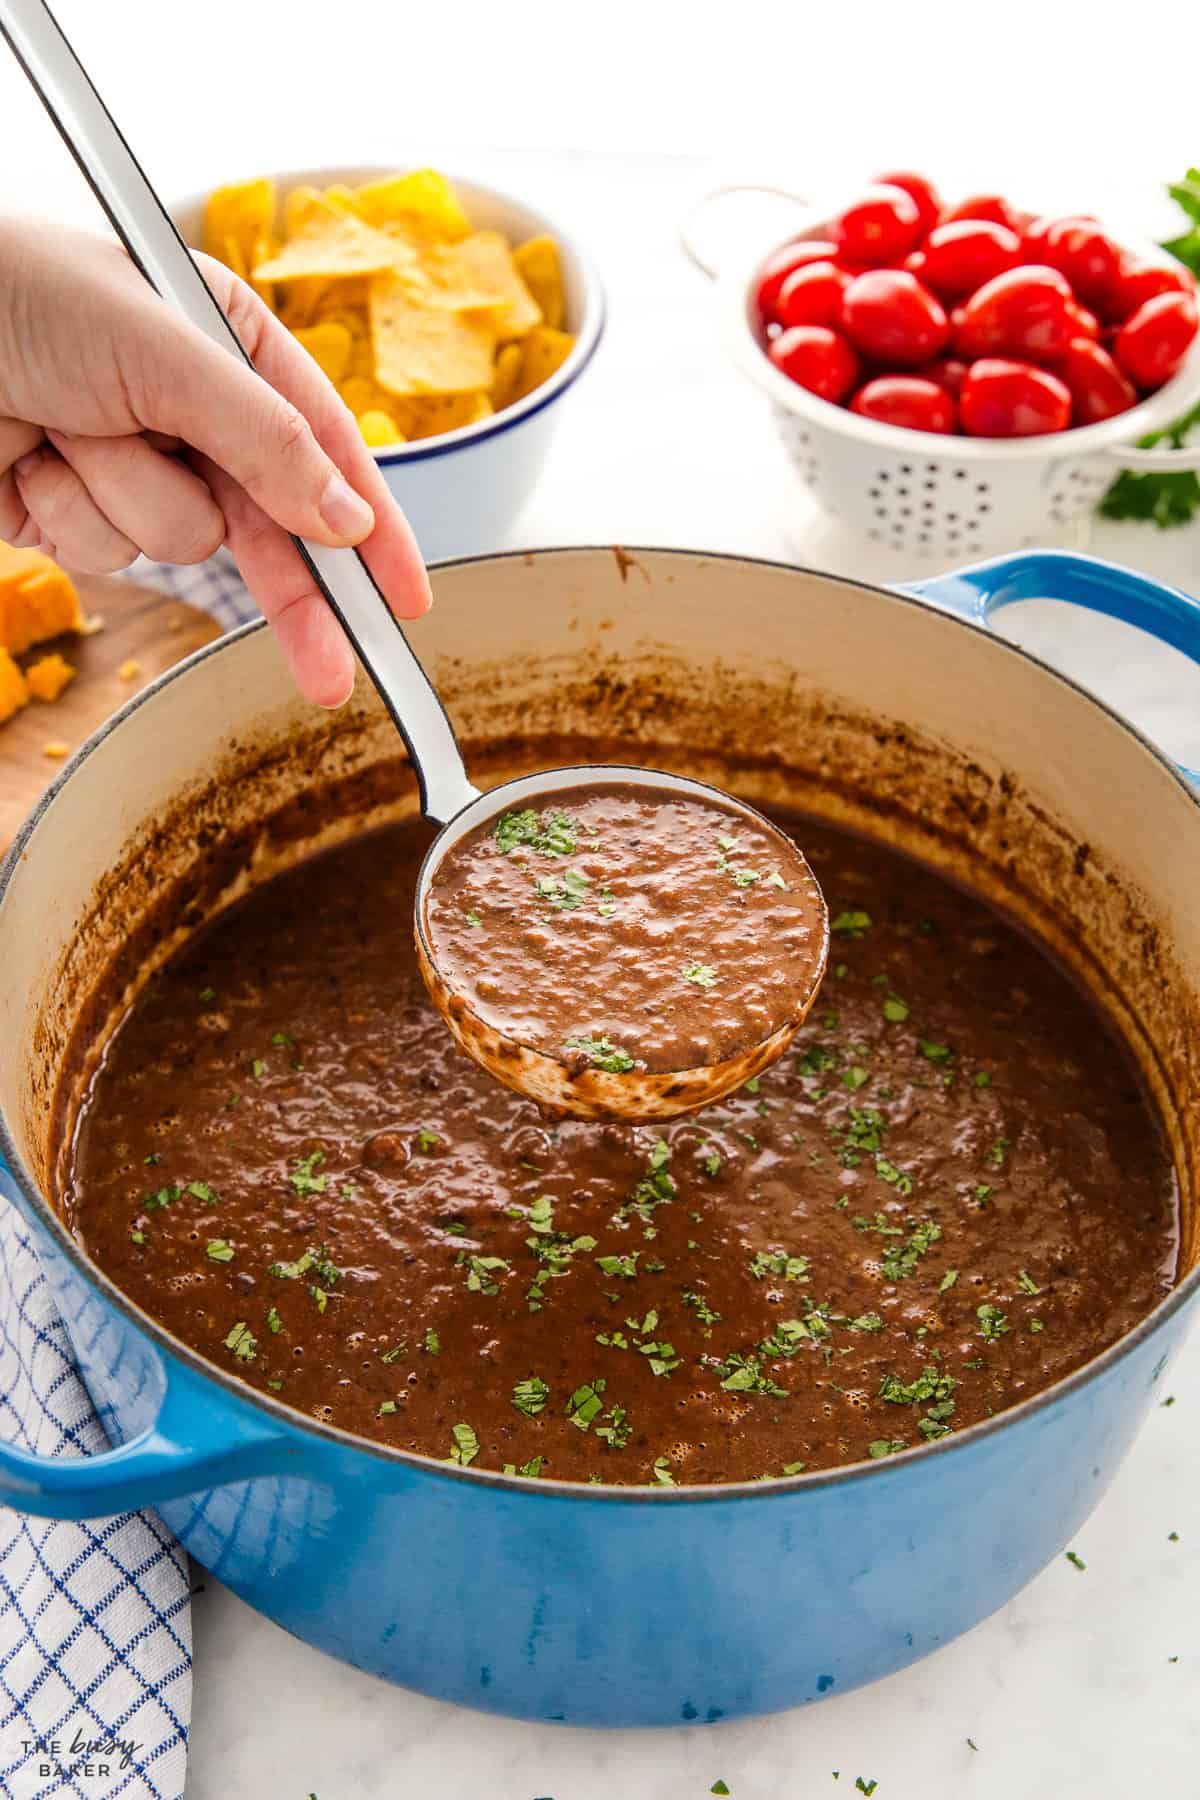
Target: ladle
[(447, 797)]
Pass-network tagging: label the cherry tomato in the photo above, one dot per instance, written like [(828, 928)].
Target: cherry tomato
[(923, 192), (777, 269), (1000, 398), (816, 358), (890, 316), (907, 401), (1020, 313), (961, 256), (991, 207), (812, 295), (1150, 346), (947, 371), (1078, 249), (1084, 323), (1098, 388), (1135, 284), (882, 227)]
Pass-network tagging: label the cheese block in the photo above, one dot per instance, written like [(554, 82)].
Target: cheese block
[(37, 599)]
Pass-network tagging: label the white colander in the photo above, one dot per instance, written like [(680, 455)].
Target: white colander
[(918, 490)]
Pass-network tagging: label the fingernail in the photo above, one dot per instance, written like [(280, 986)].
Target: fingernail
[(346, 512), (333, 705)]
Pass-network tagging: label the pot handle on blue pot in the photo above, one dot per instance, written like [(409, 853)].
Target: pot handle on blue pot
[(980, 590)]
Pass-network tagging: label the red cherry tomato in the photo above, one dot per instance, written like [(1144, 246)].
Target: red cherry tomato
[(890, 316), (1136, 284), (947, 371), (1078, 249), (923, 192), (986, 206), (817, 359), (777, 269), (1085, 323), (1150, 346), (1000, 398), (812, 295), (1098, 388), (961, 256), (882, 227), (906, 401), (1020, 313)]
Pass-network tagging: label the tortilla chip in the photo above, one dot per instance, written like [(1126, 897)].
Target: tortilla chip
[(506, 375), (242, 214), (423, 205), (433, 414), (426, 350), (477, 275), (542, 352), (343, 197), (539, 268), (264, 248), (363, 394), (379, 428), (329, 345), (330, 242)]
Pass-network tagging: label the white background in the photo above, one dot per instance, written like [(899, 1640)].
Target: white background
[(1068, 1692)]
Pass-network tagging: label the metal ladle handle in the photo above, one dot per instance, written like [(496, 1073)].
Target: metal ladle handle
[(145, 228)]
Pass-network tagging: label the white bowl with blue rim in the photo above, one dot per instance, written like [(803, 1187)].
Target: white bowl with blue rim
[(462, 491)]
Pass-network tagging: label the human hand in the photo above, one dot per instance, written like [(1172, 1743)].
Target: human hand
[(123, 429)]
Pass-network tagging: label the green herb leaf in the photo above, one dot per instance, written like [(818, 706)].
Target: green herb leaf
[(427, 1141), (208, 994), (586, 1402), (948, 1280), (219, 1250), (242, 1342), (386, 1407), (302, 1177), (1077, 1560), (466, 1445), (554, 835), (895, 1009), (601, 1053), (702, 975), (885, 1447), (624, 1266), (662, 1471), (615, 1428), (992, 1322), (433, 1343), (935, 1053), (473, 919), (274, 1322), (529, 1396), (1027, 1284), (480, 1270), (852, 924)]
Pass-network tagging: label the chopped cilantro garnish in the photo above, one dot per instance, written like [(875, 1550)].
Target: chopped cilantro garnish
[(393, 1355), (999, 1151), (931, 1384), (564, 895), (466, 1445), (554, 835), (885, 1446), (868, 1321), (855, 1077), (274, 1322), (531, 1468), (163, 1197), (615, 1428), (1076, 1560), (242, 1342), (601, 1053), (480, 1270), (700, 1307), (745, 1375), (982, 1079), (1027, 1284), (529, 1396), (137, 1237), (752, 1084), (586, 1402), (865, 1787), (1036, 1325), (219, 1250), (712, 1163), (473, 919), (718, 1787), (935, 1053), (948, 1280), (895, 1009), (852, 924), (778, 1262), (662, 1469), (302, 1177), (282, 1037), (433, 1342), (895, 1177), (992, 1322), (426, 1140), (624, 1266), (208, 994), (387, 1406), (794, 1468), (983, 1193), (153, 1157), (702, 975)]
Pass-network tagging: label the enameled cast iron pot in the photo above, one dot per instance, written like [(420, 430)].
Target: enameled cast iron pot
[(904, 719)]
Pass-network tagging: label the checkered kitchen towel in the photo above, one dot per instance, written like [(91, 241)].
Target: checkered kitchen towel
[(95, 1626)]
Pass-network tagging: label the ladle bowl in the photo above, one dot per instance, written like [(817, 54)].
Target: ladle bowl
[(589, 1092)]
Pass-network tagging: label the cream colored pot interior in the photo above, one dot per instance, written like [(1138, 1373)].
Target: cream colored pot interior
[(781, 685)]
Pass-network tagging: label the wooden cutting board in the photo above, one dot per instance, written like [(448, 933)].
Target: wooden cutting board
[(140, 627)]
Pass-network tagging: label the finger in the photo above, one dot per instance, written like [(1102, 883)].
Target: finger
[(391, 551), (157, 502), (65, 513), (314, 646), (17, 439)]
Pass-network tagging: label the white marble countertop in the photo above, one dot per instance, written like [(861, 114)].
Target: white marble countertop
[(1073, 1689)]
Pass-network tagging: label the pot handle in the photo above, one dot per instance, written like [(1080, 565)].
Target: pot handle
[(186, 1450), (980, 590), (693, 246)]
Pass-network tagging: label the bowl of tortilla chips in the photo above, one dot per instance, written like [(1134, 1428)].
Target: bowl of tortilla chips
[(450, 317)]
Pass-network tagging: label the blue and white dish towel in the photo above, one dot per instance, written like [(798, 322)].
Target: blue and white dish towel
[(95, 1619)]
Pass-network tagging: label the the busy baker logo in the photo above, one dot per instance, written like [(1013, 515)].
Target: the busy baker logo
[(80, 1757)]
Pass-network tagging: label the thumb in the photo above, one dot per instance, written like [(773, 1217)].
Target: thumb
[(196, 390)]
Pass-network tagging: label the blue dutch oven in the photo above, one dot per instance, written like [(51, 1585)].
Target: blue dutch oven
[(895, 713)]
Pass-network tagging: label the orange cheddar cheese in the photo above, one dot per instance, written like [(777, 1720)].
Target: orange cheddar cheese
[(13, 691), (48, 676), (37, 599)]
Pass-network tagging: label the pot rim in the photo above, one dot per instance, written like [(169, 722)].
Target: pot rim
[(549, 1488)]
